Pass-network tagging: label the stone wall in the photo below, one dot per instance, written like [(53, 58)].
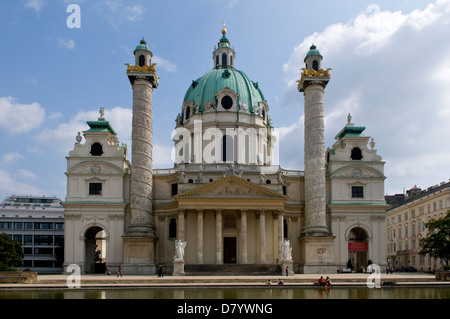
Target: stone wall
[(18, 277)]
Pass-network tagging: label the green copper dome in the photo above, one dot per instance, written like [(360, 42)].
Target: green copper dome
[(313, 51), (224, 42), (142, 46), (204, 89)]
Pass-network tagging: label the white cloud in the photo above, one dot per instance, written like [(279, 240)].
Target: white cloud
[(117, 12), (55, 115), (26, 174), (162, 157), (36, 5), (66, 44), (165, 64), (391, 71), (133, 13), (20, 118), (11, 185), (12, 157), (62, 138)]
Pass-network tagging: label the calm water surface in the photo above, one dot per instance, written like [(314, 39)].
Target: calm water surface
[(236, 293)]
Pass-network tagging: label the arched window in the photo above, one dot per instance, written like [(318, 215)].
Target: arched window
[(173, 228), (231, 61), (217, 60), (285, 228), (356, 154), (224, 60), (141, 60), (96, 149), (188, 112), (315, 65)]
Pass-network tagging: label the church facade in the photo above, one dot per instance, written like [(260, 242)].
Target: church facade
[(225, 198)]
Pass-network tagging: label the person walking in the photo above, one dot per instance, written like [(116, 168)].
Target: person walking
[(119, 272), (160, 271)]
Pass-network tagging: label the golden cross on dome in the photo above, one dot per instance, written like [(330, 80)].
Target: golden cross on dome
[(224, 31)]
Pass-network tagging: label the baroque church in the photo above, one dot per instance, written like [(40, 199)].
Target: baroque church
[(225, 205)]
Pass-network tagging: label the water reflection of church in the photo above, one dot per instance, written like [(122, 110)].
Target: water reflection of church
[(225, 197)]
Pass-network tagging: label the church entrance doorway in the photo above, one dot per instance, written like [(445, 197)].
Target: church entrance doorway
[(229, 250), (358, 249), (95, 250)]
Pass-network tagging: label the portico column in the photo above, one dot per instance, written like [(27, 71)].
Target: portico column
[(180, 228), (280, 233), (243, 237), (262, 236), (219, 244), (200, 236)]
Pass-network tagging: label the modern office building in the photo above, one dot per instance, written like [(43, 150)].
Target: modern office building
[(38, 223), (405, 222)]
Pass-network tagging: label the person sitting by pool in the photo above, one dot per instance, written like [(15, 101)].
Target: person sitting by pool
[(320, 282), (328, 281), (280, 282)]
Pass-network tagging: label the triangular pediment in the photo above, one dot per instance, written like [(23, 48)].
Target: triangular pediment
[(231, 187)]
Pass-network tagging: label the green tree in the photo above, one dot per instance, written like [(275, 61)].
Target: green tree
[(437, 242), (11, 253)]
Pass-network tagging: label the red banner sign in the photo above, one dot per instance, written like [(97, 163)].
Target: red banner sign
[(352, 247)]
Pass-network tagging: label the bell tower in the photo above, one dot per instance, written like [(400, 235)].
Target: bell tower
[(139, 246)]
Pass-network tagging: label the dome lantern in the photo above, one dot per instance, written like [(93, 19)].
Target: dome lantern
[(223, 55)]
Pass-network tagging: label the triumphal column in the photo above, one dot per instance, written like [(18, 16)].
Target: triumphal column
[(316, 240)]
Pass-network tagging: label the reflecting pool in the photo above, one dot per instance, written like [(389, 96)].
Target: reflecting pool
[(276, 292)]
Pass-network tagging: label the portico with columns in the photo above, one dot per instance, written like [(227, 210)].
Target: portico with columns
[(230, 221)]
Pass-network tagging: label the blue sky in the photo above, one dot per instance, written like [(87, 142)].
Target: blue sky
[(390, 65)]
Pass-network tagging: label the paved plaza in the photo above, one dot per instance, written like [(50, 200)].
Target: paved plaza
[(112, 281)]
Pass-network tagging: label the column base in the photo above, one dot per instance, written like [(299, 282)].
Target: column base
[(317, 255), (138, 254)]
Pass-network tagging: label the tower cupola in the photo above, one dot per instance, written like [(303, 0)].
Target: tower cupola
[(313, 59), (143, 54), (224, 55)]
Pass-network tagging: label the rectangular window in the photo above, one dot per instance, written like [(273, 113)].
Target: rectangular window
[(174, 189), (95, 188), (43, 225), (59, 226), (43, 240), (5, 225), (28, 240), (18, 225), (357, 192), (28, 225), (18, 238)]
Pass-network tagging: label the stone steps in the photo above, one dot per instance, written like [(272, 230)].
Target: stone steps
[(231, 270)]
